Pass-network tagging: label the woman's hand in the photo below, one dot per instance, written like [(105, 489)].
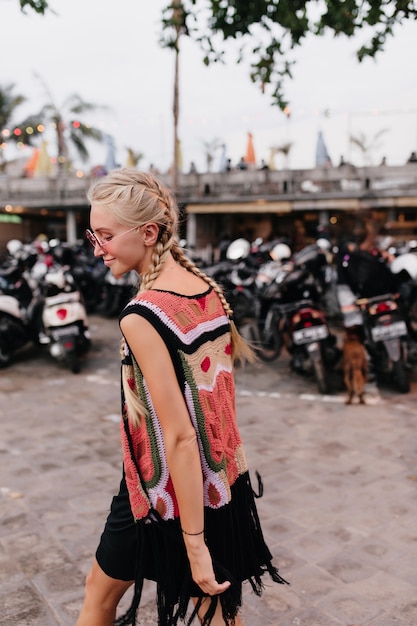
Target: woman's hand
[(202, 567)]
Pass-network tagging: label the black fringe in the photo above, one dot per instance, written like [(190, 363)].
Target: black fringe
[(236, 543), (129, 618), (260, 486)]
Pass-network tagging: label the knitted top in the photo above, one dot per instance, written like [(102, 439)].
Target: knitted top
[(196, 332)]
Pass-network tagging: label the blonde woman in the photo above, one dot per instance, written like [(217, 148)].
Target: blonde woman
[(185, 515)]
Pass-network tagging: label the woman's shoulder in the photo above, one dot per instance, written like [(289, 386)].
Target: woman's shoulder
[(163, 297), (177, 308)]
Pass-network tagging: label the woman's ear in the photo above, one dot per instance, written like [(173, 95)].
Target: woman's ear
[(150, 233)]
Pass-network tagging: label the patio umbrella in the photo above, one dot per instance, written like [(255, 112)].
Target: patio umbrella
[(223, 159), (31, 163), (322, 156), (250, 158), (110, 163)]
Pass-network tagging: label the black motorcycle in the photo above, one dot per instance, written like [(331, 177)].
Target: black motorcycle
[(290, 314), (384, 323), (20, 305), (386, 338)]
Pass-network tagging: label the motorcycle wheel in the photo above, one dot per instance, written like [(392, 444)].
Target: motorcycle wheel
[(8, 328), (270, 341), (320, 376), (5, 355), (267, 352), (401, 380), (412, 316), (74, 362)]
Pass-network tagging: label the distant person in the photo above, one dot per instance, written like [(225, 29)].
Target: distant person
[(193, 169), (153, 170), (264, 166), (185, 516), (342, 161), (413, 157), (242, 165)]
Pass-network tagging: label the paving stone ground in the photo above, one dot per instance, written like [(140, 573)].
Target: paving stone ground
[(339, 510)]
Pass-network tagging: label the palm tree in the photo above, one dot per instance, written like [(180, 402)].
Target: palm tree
[(133, 157), (210, 148), (23, 131), (366, 145), (175, 18), (69, 129)]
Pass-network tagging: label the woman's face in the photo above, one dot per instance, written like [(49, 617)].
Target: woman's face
[(122, 248)]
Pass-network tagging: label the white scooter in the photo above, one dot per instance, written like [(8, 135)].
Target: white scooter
[(41, 304), (64, 319)]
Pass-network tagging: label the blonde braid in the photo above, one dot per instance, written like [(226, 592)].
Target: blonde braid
[(159, 256), (241, 350), (135, 408)]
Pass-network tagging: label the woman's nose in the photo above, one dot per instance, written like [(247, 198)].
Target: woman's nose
[(98, 250)]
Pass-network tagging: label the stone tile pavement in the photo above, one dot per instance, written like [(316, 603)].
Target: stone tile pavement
[(339, 510)]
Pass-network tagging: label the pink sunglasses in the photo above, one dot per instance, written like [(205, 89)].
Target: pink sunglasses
[(95, 241)]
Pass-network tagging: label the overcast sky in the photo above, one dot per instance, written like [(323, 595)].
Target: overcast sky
[(108, 52)]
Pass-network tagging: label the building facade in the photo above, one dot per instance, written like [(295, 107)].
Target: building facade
[(292, 204)]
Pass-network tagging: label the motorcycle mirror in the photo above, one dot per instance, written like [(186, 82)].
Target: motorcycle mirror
[(407, 262), (238, 249), (39, 270), (280, 252), (14, 246)]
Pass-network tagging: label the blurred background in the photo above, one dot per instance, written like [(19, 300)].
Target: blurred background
[(111, 55)]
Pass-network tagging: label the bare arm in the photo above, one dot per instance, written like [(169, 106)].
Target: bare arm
[(181, 444)]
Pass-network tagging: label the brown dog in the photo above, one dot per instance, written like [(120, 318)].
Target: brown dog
[(355, 366)]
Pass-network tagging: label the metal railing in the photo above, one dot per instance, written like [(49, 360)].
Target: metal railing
[(345, 181)]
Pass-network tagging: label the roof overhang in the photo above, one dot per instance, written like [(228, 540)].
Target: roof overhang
[(258, 206)]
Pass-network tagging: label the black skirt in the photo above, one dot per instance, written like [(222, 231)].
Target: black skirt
[(154, 549)]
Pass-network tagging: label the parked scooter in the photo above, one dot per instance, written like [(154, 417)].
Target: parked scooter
[(87, 270), (404, 267), (386, 338), (240, 276), (20, 302), (261, 317), (295, 318), (377, 285), (41, 305), (65, 329)]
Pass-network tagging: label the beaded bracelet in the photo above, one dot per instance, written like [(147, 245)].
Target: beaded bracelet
[(192, 534)]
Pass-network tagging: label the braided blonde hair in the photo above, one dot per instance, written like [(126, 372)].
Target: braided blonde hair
[(136, 198)]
